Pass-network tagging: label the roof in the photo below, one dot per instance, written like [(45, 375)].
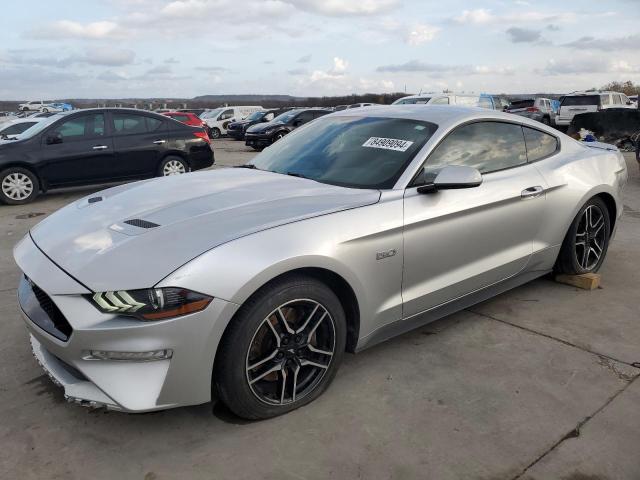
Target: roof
[(441, 115)]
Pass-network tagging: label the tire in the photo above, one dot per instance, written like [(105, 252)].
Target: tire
[(278, 136), (577, 243), (215, 133), (18, 186), (172, 165), (25, 109), (546, 121), (314, 312), (45, 110)]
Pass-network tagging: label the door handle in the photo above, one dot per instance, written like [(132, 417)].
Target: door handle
[(159, 142), (100, 147), (532, 192)]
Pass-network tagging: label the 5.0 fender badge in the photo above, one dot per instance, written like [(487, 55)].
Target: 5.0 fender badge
[(386, 254)]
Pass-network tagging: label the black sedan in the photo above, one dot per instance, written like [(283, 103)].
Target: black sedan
[(96, 146), (237, 129), (264, 134)]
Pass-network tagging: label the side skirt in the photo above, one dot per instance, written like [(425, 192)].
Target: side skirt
[(402, 326)]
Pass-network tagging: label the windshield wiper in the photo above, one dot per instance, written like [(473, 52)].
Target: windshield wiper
[(299, 175)]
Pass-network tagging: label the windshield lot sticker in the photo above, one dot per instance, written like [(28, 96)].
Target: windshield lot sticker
[(388, 144)]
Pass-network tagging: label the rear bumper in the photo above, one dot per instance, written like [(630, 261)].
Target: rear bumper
[(130, 386)]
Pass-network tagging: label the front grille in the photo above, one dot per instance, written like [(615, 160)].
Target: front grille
[(51, 309), (42, 311)]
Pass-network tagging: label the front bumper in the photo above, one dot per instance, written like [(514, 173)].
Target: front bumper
[(131, 386), (237, 134), (258, 140)]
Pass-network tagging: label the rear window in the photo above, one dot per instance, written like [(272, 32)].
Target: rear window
[(539, 144), (522, 104), (581, 100), (412, 101)]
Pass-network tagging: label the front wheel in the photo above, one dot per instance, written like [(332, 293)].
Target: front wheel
[(45, 110), (18, 186), (215, 133), (278, 136), (585, 245), (282, 350), (172, 166)]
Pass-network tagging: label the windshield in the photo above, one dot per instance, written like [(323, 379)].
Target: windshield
[(412, 101), (356, 152), (40, 126), (285, 117), (522, 104), (211, 113), (257, 115)]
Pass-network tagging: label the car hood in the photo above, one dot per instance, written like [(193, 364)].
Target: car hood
[(264, 126), (175, 219)]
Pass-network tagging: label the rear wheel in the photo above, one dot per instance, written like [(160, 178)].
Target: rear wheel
[(172, 165), (282, 350), (18, 186), (214, 133), (278, 136), (585, 245), (546, 120)]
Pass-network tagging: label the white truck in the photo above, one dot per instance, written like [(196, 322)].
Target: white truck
[(591, 101), (218, 119), (37, 106)]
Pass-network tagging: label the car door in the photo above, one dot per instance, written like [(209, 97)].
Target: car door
[(459, 241), (77, 150), (139, 141)]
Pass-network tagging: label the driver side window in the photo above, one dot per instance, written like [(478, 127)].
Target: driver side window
[(486, 146), (82, 127)]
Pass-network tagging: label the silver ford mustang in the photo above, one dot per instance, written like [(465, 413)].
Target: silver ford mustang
[(249, 284)]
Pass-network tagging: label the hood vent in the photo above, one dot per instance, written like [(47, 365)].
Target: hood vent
[(138, 222), (95, 199)]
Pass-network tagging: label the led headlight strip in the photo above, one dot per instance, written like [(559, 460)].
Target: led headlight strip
[(152, 303)]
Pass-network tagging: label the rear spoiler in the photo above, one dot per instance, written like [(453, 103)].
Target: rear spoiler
[(601, 146)]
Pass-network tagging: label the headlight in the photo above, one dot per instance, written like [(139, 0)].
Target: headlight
[(151, 304)]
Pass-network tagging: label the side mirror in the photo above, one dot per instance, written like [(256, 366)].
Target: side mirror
[(53, 138), (453, 177)]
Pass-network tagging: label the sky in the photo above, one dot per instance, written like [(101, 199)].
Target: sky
[(185, 48)]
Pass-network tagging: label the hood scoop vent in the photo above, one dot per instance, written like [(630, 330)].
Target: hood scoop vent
[(95, 199), (138, 222)]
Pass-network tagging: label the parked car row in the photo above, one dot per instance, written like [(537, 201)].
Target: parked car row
[(94, 146), (44, 106)]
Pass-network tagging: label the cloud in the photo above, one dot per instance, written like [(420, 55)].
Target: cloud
[(304, 59), (587, 65), (212, 69), (483, 16), (524, 35), (339, 66), (111, 76), (110, 57), (171, 60), (338, 8), (63, 29), (107, 56), (421, 33), (630, 42), (160, 70), (439, 70), (298, 71), (478, 16)]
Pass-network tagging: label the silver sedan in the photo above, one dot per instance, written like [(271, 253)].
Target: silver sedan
[(249, 284)]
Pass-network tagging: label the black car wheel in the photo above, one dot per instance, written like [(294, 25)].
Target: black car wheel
[(282, 350), (546, 120), (172, 165), (214, 133), (18, 186), (585, 245), (278, 136)]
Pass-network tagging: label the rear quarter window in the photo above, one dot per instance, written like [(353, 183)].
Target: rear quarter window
[(539, 144), (581, 100)]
